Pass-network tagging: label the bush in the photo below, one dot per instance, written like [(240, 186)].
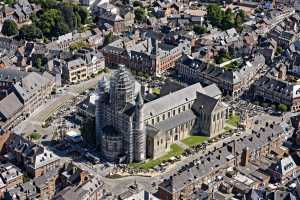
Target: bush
[(264, 104), (256, 103), (9, 28), (137, 4), (199, 29), (274, 106), (282, 107)]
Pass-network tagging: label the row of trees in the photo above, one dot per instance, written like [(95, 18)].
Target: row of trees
[(55, 19), (225, 19)]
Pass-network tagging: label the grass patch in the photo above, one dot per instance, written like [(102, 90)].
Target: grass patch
[(194, 140), (156, 90), (233, 120), (175, 150), (227, 128), (35, 136)]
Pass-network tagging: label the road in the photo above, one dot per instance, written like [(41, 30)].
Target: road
[(36, 119), (118, 185)]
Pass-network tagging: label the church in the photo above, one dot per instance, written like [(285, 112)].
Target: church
[(130, 130)]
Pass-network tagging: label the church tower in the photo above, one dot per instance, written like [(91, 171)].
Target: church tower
[(139, 130), (122, 89), (102, 91)]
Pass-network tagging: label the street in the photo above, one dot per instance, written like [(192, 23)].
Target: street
[(36, 119)]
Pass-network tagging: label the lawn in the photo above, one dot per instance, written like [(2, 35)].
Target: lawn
[(233, 120), (35, 136), (156, 90), (175, 150), (194, 140), (226, 128)]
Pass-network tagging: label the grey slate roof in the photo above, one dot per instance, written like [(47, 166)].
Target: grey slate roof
[(10, 105), (284, 166), (11, 74), (172, 122), (167, 102), (207, 163)]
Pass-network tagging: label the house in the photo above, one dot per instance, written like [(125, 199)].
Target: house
[(90, 189), (278, 91), (148, 56), (115, 20), (203, 170), (10, 175), (35, 159), (231, 82), (22, 93), (283, 169), (75, 70), (94, 60)]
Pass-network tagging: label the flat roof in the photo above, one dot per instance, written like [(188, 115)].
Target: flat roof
[(73, 133)]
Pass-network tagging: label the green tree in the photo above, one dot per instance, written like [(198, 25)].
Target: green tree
[(199, 29), (30, 32), (140, 14), (46, 4), (223, 56), (228, 20), (9, 28), (52, 23), (78, 45), (137, 4), (108, 38), (225, 19), (282, 107), (215, 14), (69, 16), (38, 63), (84, 15), (9, 2)]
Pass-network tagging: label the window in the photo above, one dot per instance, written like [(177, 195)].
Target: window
[(157, 119), (174, 111), (169, 114), (164, 116), (183, 108), (152, 121), (157, 143), (179, 110)]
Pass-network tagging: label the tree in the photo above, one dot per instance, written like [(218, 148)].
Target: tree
[(38, 63), (30, 32), (78, 45), (199, 29), (140, 14), (52, 23), (225, 19), (84, 14), (282, 107), (228, 20), (137, 4), (68, 15), (9, 28), (108, 38), (223, 56), (9, 2), (215, 14)]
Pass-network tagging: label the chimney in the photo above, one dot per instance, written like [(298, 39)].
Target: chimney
[(245, 157)]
